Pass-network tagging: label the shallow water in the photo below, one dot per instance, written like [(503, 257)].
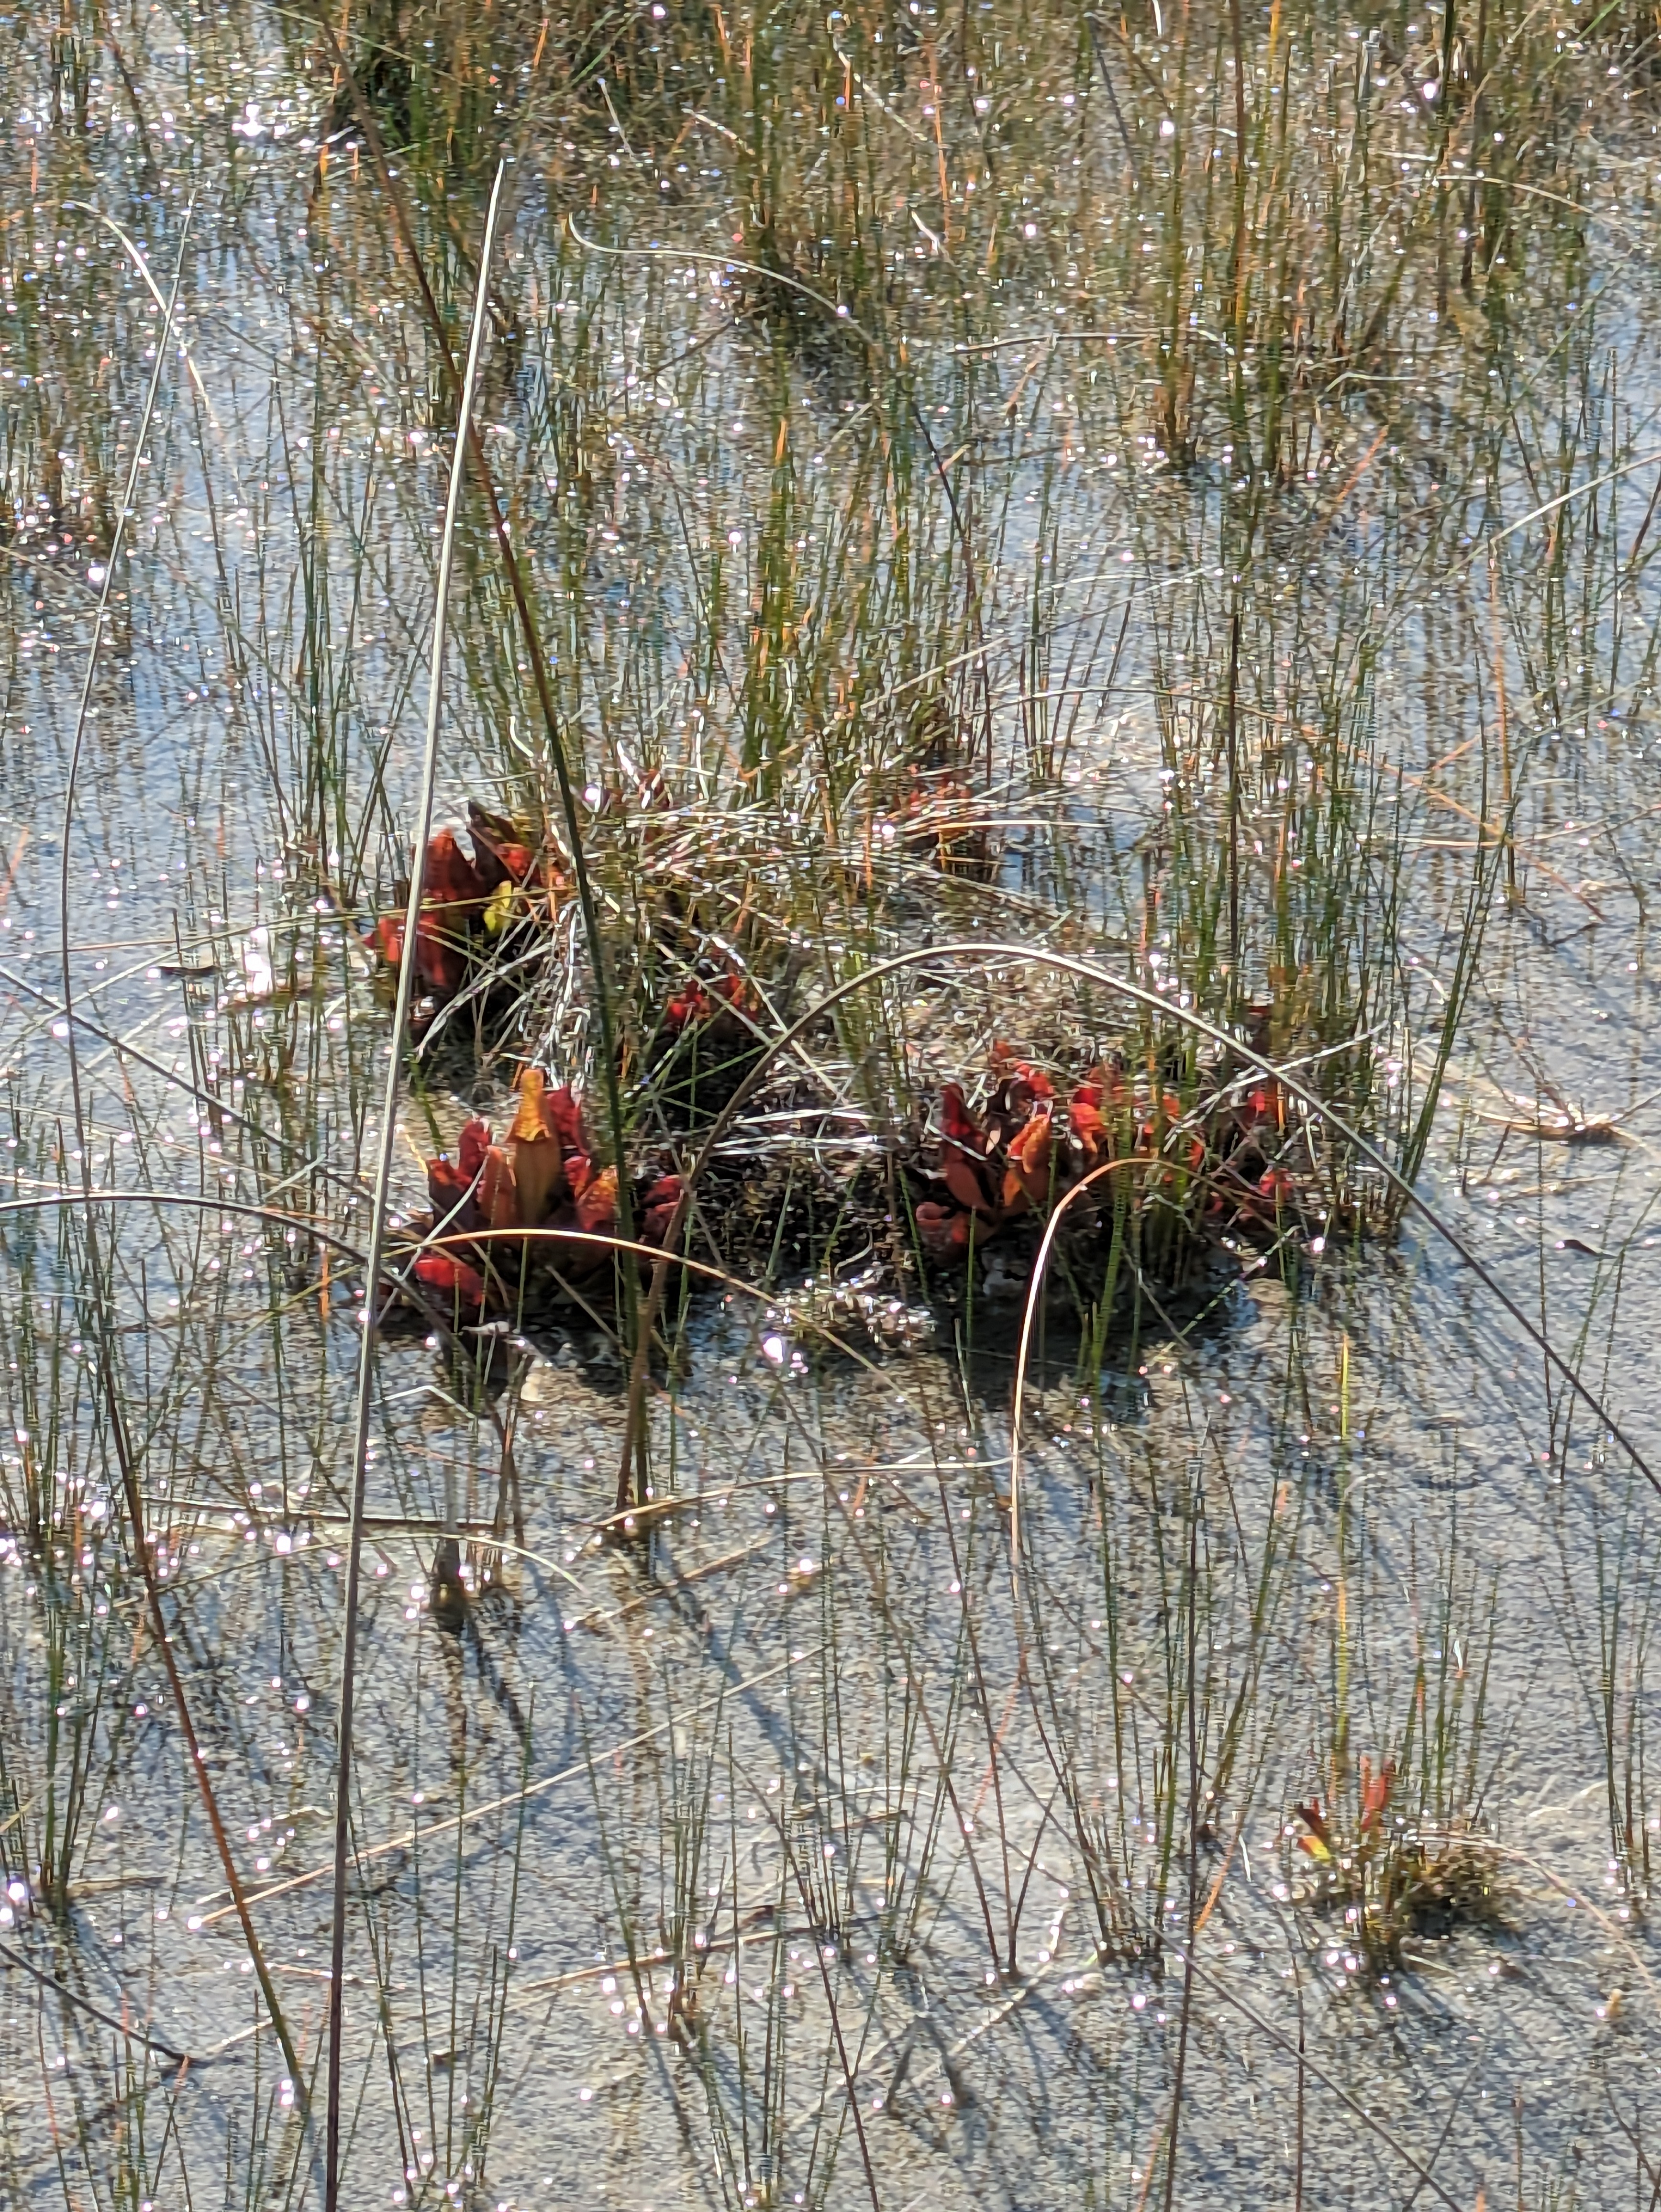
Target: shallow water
[(927, 1831)]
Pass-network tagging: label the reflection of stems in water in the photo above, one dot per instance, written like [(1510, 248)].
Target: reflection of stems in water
[(123, 2027), (1234, 990), (836, 2026), (994, 1737), (121, 1442), (1193, 1501), (1504, 728), (1427, 2177), (1341, 1582)]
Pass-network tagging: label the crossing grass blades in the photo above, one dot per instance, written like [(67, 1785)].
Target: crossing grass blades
[(1154, 1165)]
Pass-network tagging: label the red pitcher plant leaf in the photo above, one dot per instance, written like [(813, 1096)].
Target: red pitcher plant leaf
[(472, 1144), (464, 901), (1375, 1792), (450, 1193), (963, 1152), (961, 1128), (501, 853), (658, 1208), (728, 1004), (448, 1277), (441, 958), (450, 879), (945, 1235), (563, 1116)]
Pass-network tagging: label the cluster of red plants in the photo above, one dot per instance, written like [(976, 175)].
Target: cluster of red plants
[(723, 1006), (1320, 1844), (945, 822), (1220, 1165), (1030, 1145), (466, 900), (542, 1176)]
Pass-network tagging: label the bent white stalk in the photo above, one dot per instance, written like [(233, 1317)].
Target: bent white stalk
[(378, 1204)]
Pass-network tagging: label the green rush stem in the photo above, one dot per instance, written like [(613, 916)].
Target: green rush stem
[(125, 1050), (120, 1440), (511, 568), (1235, 994), (378, 1218), (1172, 2135)]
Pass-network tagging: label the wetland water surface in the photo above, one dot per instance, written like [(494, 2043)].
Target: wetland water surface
[(1174, 493)]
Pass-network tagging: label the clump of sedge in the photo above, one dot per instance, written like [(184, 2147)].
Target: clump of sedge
[(1389, 1876)]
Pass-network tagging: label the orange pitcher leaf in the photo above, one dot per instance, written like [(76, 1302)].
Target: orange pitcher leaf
[(1375, 1794), (539, 1176), (450, 1277), (528, 1124), (596, 1208), (1028, 1154), (498, 1191), (1277, 1187), (538, 1168), (1088, 1129)]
